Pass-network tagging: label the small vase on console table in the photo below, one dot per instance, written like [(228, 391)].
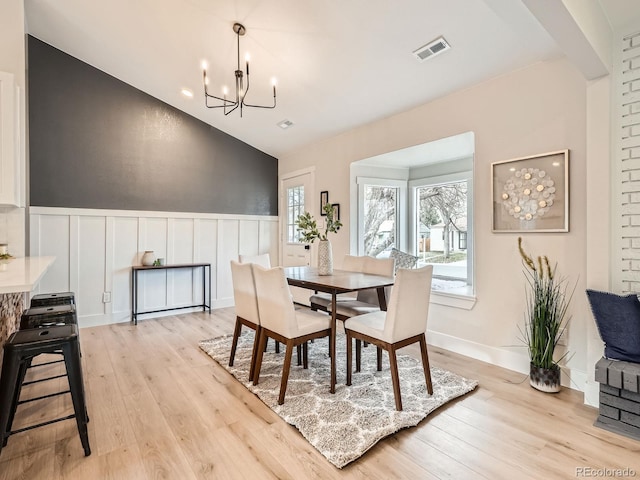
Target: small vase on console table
[(148, 258)]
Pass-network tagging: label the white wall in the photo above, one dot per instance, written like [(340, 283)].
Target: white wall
[(95, 250), (534, 110)]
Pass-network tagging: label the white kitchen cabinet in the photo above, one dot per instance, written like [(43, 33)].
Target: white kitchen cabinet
[(10, 144)]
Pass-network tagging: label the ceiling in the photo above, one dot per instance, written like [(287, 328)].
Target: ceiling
[(339, 63)]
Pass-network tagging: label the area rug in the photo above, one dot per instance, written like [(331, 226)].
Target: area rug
[(344, 425)]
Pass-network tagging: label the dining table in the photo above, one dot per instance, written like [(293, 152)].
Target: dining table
[(340, 281)]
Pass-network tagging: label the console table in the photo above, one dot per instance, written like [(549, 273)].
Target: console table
[(135, 271)]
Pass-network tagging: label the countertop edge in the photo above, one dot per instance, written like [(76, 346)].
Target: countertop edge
[(23, 274)]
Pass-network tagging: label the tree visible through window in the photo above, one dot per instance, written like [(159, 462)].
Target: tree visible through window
[(380, 204), (442, 228)]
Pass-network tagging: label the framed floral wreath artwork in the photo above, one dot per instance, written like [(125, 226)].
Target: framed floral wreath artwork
[(531, 194)]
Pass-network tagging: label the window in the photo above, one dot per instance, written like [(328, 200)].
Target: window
[(441, 224), (415, 199), (462, 242), (379, 201), (295, 207), (380, 224)]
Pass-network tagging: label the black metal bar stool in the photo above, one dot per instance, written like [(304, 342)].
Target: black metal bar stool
[(42, 317), (50, 299), (37, 317), (19, 350)]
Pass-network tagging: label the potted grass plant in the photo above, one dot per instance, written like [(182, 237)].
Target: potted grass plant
[(545, 319), (308, 229)]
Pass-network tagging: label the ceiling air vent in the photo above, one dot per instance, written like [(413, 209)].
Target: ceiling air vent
[(432, 49), (284, 124)]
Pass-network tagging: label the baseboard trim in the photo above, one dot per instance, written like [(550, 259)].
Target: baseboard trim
[(87, 321), (514, 361)]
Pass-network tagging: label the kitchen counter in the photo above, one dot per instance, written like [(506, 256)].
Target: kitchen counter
[(18, 276), (22, 274)]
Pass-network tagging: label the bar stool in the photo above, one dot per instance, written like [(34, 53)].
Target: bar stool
[(37, 317), (50, 299), (19, 350)]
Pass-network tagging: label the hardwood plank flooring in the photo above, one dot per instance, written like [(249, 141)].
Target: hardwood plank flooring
[(161, 408)]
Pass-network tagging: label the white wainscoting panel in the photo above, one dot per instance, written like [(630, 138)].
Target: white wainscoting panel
[(52, 235), (124, 245), (206, 247), (89, 250), (229, 243), (95, 250)]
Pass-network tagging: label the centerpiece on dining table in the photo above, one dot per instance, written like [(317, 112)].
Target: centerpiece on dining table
[(308, 232)]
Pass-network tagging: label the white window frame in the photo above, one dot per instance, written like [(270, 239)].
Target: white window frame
[(401, 206), (286, 215), (467, 176)]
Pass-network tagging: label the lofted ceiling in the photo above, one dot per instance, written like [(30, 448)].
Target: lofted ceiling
[(339, 63)]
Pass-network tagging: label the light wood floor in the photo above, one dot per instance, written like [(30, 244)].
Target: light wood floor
[(161, 408)]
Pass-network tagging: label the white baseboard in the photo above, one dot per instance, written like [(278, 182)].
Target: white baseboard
[(517, 362), (87, 321)]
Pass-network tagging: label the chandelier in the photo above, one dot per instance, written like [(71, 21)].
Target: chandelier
[(229, 105)]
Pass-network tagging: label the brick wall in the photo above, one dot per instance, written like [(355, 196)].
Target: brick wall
[(627, 153), (619, 397)]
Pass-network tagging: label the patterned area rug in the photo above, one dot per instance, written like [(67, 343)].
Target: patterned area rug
[(342, 426)]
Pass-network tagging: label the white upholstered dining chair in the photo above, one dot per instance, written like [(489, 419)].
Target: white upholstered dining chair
[(280, 320), (264, 260), (404, 323), (246, 301)]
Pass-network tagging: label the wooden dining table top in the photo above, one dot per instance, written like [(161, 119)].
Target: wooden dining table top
[(341, 281)]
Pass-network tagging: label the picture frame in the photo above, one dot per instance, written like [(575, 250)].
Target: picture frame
[(531, 194), (324, 199), (336, 211)]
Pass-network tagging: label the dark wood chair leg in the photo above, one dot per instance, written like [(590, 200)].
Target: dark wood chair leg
[(285, 371), (425, 364), (305, 355), (349, 359), (234, 343), (299, 352), (261, 347), (254, 353), (277, 346), (358, 353), (395, 379), (379, 358)]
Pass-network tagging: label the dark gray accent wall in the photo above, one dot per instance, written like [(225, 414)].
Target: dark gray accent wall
[(97, 142)]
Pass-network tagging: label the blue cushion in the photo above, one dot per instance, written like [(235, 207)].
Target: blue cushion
[(618, 321)]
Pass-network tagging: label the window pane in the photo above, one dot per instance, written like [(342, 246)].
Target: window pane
[(441, 229), (380, 227), (295, 207)]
